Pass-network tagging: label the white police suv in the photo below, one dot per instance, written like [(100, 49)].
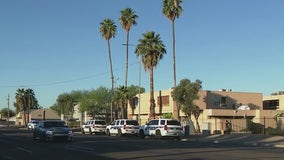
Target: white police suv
[(94, 127), (122, 127), (162, 128)]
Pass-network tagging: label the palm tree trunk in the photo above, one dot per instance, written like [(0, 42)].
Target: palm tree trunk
[(112, 80), (126, 65), (176, 106), (174, 54), (152, 100), (126, 72)]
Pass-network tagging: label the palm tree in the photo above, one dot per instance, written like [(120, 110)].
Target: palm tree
[(121, 96), (108, 31), (127, 19), (172, 10), (25, 102), (20, 103), (151, 50), (30, 100)]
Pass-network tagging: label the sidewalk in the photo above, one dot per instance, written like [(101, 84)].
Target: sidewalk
[(246, 139)]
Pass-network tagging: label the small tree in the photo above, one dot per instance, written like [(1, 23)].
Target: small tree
[(4, 113), (279, 114), (185, 94)]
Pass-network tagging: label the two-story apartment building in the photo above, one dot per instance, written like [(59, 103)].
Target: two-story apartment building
[(216, 107)]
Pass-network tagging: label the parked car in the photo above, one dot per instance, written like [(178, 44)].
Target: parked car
[(50, 130), (123, 127), (162, 128), (32, 124), (94, 126)]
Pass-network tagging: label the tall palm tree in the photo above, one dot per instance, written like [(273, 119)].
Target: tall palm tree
[(151, 50), (127, 19), (108, 30), (172, 10)]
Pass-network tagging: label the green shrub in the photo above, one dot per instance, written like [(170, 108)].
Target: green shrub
[(73, 124), (271, 131)]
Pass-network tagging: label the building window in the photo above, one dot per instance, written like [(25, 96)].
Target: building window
[(165, 100), (223, 101), (270, 104)]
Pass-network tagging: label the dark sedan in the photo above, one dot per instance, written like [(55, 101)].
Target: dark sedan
[(50, 130)]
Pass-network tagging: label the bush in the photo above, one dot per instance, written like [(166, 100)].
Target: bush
[(74, 124), (271, 131)]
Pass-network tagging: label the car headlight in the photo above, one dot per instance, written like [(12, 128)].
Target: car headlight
[(70, 132), (48, 132)]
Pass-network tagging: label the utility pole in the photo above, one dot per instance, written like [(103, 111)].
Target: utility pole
[(8, 115)]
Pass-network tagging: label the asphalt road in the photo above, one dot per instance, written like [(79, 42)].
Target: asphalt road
[(18, 144)]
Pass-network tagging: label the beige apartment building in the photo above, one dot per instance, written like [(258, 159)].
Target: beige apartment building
[(217, 107)]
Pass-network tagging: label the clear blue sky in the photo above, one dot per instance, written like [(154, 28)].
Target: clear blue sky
[(54, 46)]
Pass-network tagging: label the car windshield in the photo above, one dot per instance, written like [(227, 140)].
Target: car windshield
[(100, 122), (173, 122), (132, 123), (54, 124)]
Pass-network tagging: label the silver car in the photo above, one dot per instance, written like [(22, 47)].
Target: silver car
[(51, 130)]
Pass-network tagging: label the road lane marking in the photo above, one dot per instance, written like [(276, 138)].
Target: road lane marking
[(80, 149), (23, 149)]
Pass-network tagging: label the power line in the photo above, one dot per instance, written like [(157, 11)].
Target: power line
[(58, 82)]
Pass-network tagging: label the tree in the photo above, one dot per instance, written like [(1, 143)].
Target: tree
[(20, 104), (96, 102), (108, 31), (151, 50), (172, 10), (185, 94), (120, 98), (4, 113), (133, 91), (66, 103), (25, 102), (127, 19)]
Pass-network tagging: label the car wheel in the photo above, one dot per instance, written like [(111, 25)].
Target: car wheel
[(82, 131), (158, 134), (90, 131), (178, 138), (34, 136), (42, 138), (107, 132), (119, 133), (141, 134)]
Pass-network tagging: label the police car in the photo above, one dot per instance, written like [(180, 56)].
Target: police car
[(121, 127), (162, 128), (94, 127)]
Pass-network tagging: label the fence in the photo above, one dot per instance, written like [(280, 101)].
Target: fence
[(244, 125)]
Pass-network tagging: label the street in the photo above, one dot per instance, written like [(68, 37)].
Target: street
[(18, 144)]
